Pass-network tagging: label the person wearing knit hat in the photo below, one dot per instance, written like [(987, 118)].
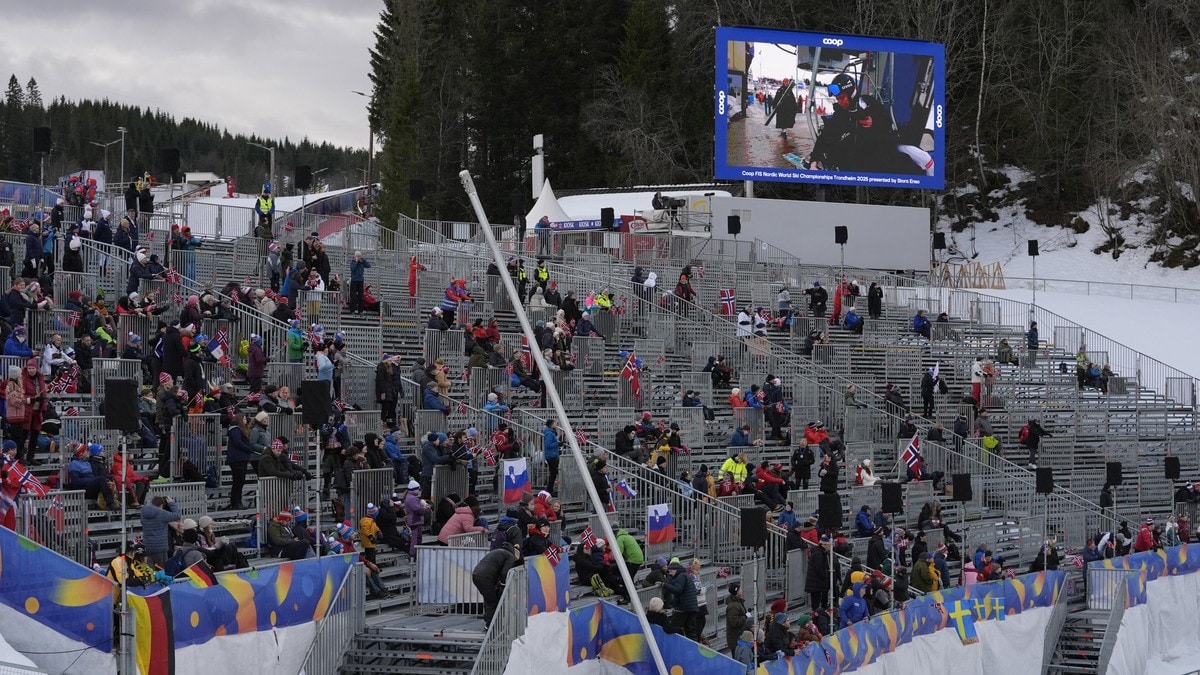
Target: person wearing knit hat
[(189, 524)]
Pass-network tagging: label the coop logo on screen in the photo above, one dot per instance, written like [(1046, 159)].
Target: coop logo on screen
[(833, 42)]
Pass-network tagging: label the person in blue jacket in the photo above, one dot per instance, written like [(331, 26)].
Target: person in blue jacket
[(550, 450), (752, 399), (391, 446), (431, 456), (853, 608), (431, 400), (854, 322), (921, 325), (358, 280), (741, 437), (17, 343), (863, 522)]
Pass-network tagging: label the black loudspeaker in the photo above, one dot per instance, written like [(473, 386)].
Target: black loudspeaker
[(939, 241), (315, 402), (607, 216), (754, 526), (829, 511), (1171, 464), (1112, 473), (893, 498), (1033, 247), (41, 140), (303, 177), (518, 203), (1045, 480), (416, 189), (962, 487), (121, 406), (734, 224), (168, 161), (840, 234)]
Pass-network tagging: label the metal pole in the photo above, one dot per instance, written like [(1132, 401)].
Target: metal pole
[(317, 521), (123, 646), (551, 393), (122, 130)]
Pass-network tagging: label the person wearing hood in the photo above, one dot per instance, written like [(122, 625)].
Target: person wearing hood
[(853, 607), (737, 619), (490, 575), (297, 343), (18, 343), (629, 550)]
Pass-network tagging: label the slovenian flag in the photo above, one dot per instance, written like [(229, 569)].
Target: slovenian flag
[(624, 488), (661, 528), (516, 479)]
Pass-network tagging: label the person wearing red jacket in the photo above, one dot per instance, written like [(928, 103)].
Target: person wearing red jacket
[(1145, 538), (542, 507), (768, 484), (413, 268), (127, 479), (814, 433)]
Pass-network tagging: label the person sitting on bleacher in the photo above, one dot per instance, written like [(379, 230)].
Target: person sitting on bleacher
[(733, 474), (585, 328), (864, 524), (89, 472), (854, 323), (921, 325), (1004, 353), (768, 485), (741, 437), (735, 398), (864, 474), (754, 397)]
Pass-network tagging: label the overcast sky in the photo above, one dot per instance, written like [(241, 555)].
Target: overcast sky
[(271, 67)]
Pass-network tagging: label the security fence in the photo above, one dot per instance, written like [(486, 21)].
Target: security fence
[(190, 498), (342, 621), (508, 624), (276, 495), (57, 521), (369, 486)]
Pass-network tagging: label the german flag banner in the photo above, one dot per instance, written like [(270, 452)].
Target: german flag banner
[(154, 632), (200, 574)]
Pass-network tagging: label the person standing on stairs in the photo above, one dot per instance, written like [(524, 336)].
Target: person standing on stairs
[(1030, 436), (358, 279), (1031, 344), (550, 450), (541, 276)]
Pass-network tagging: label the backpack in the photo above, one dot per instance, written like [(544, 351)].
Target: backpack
[(79, 471), (1023, 434), (598, 586), (175, 564)]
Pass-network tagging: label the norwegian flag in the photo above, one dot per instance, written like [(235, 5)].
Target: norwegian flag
[(172, 276), (508, 370), (315, 336), (235, 296), (466, 375), (164, 378), (72, 319), (526, 354), (254, 397), (580, 437), (723, 573), (588, 537), (71, 411), (198, 399), (21, 478), (631, 373), (553, 555), (177, 298), (219, 347), (58, 514), (289, 226), (64, 381), (339, 404), (912, 456), (1076, 560), (461, 409), (489, 455), (661, 360), (728, 301)]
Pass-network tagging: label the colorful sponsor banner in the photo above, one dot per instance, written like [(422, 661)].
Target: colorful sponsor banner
[(55, 591), (862, 643), (549, 585), (611, 633), (290, 594), (571, 225), (1166, 562)]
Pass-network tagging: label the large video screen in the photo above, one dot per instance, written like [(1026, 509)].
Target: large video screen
[(832, 109)]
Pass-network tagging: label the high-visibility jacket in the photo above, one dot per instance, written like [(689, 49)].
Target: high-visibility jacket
[(541, 274)]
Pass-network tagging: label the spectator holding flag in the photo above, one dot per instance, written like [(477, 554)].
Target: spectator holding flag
[(550, 451)]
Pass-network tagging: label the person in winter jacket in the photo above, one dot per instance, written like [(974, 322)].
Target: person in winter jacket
[(416, 509), (18, 343), (155, 518), (1032, 434), (864, 524), (461, 522), (921, 325), (925, 576), (679, 591), (865, 475), (829, 475), (737, 619), (817, 299), (550, 451), (1145, 538), (490, 575), (875, 301), (853, 607), (238, 454), (1031, 344), (256, 363)]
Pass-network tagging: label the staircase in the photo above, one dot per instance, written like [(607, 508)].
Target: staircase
[(445, 645), (1088, 634)]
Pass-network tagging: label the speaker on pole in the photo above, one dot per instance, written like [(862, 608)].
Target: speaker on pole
[(304, 177), (893, 498), (168, 161), (1045, 480), (962, 487), (1033, 244), (41, 140), (754, 527), (416, 189), (841, 235), (939, 241), (1171, 464), (1112, 473), (316, 402), (518, 203), (734, 223), (829, 511), (607, 216), (121, 406)]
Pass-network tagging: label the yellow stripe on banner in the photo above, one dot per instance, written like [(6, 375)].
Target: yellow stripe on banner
[(142, 630)]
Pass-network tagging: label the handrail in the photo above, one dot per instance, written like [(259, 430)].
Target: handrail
[(1152, 291), (509, 620), (318, 661), (1112, 627), (812, 371), (1058, 619)]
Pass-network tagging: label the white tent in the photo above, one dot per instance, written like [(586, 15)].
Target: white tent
[(546, 205)]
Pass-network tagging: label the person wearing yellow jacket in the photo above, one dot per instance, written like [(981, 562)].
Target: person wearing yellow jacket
[(735, 469)]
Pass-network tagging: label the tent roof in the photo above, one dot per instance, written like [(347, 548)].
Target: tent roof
[(547, 205)]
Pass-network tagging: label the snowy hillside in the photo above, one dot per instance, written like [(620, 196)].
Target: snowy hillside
[(1065, 254)]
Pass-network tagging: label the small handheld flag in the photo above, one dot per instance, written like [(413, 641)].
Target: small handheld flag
[(200, 574), (588, 537), (912, 456), (728, 301), (624, 488), (553, 555), (516, 479)]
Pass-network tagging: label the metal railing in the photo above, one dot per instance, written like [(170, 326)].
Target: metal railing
[(1116, 612), (1107, 289), (1107, 588), (1058, 619), (508, 624), (336, 630)]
